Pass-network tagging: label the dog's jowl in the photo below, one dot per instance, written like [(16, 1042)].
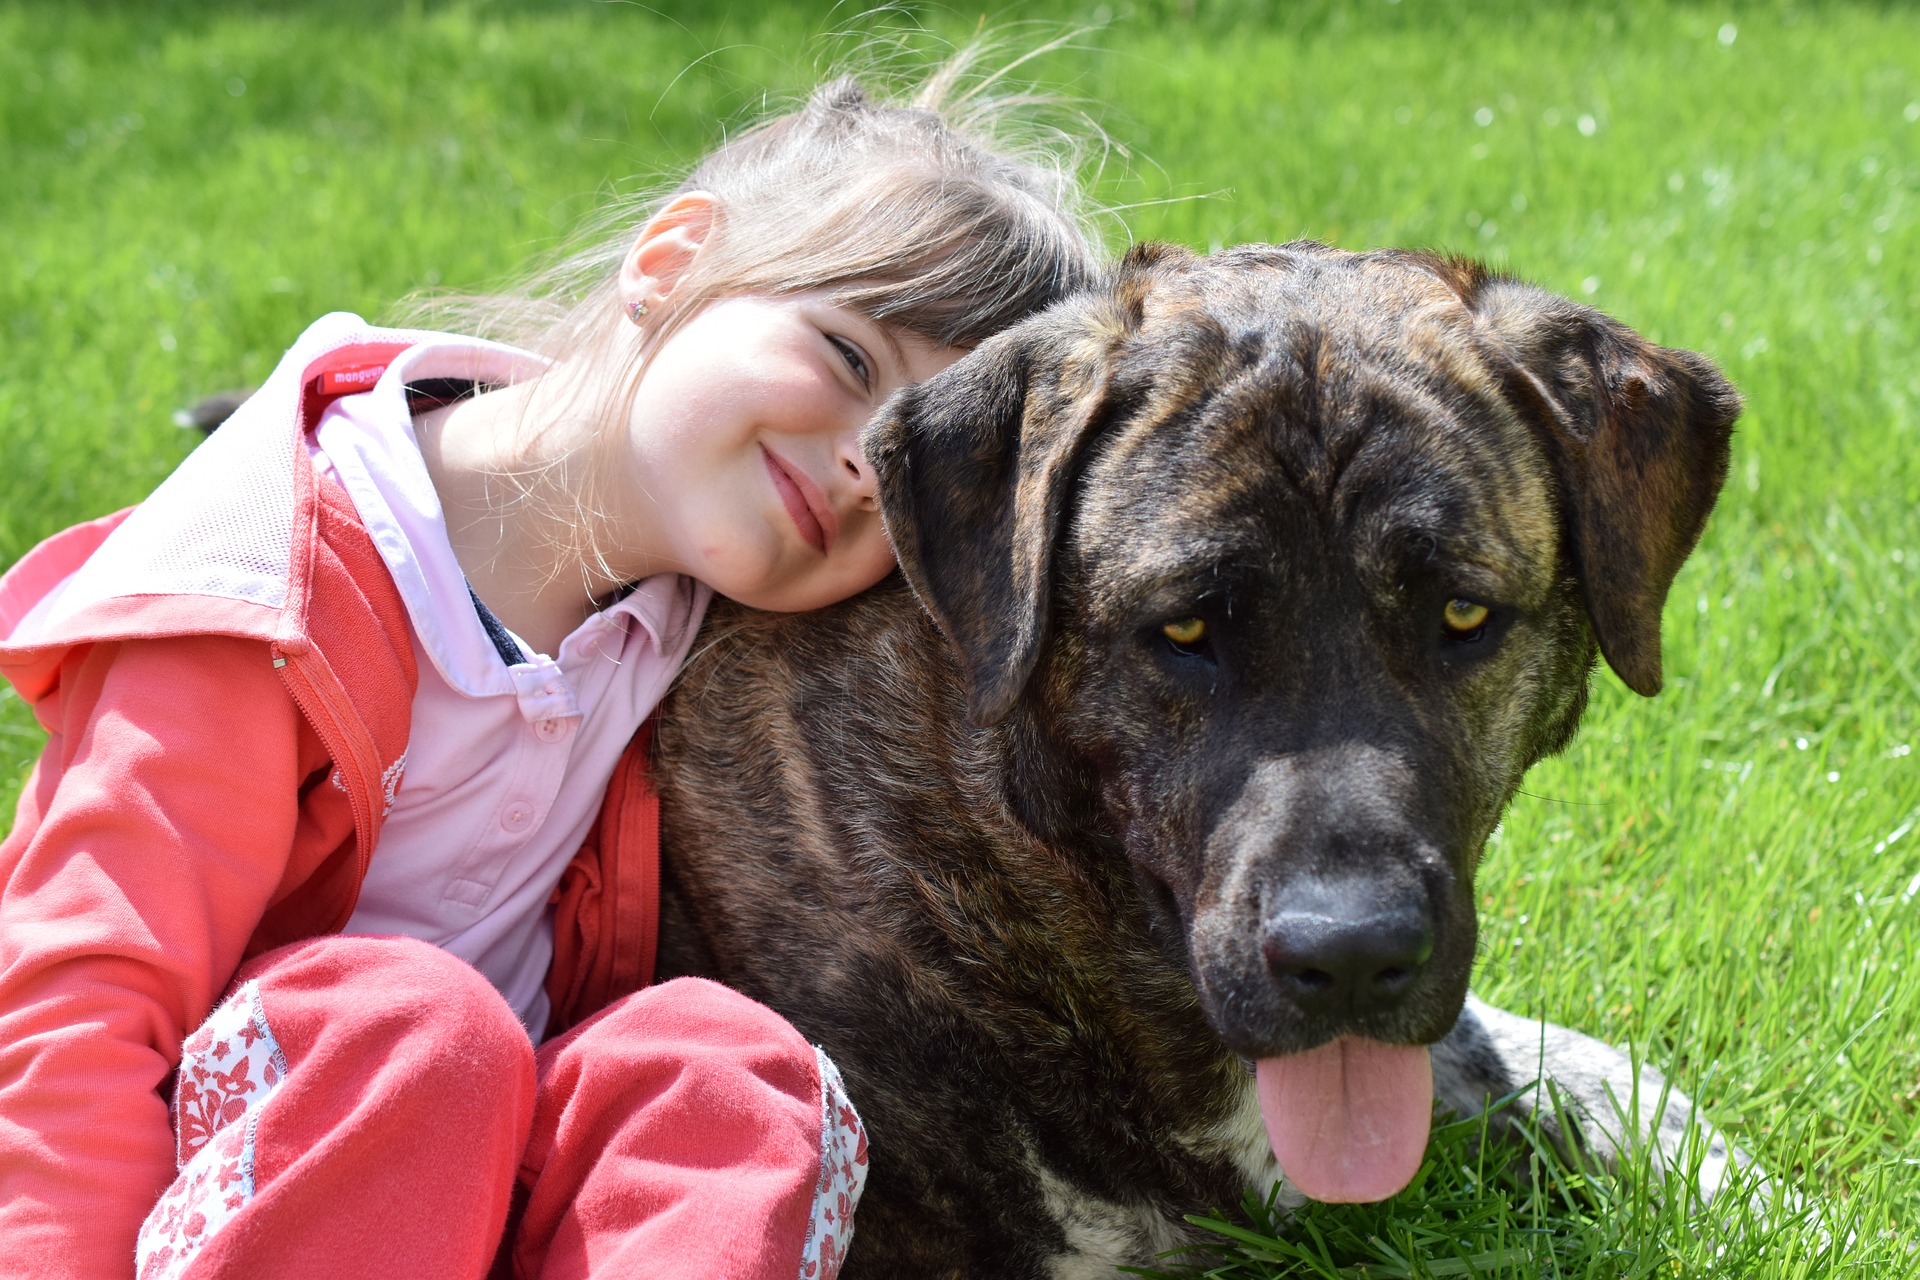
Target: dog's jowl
[(1127, 842)]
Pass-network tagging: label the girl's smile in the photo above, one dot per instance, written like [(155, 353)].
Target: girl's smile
[(743, 466), (811, 512)]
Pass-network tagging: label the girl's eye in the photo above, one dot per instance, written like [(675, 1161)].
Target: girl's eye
[(855, 358), (1186, 634), (1464, 619)]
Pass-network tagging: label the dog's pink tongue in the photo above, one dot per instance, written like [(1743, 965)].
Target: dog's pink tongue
[(1348, 1121)]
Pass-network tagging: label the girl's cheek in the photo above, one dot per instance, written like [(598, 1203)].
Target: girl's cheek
[(878, 562)]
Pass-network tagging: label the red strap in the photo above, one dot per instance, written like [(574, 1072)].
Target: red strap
[(344, 371)]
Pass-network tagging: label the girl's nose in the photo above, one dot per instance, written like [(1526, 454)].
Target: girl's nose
[(861, 484)]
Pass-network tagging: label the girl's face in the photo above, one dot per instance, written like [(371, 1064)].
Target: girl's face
[(744, 462)]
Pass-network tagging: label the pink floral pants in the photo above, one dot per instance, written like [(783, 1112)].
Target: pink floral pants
[(371, 1107)]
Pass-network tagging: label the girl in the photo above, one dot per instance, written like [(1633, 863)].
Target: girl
[(334, 710)]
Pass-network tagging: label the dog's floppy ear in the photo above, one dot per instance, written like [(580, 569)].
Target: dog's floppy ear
[(1639, 434), (976, 467)]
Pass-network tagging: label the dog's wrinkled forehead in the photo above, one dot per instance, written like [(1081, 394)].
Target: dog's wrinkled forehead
[(1347, 402), (1325, 413)]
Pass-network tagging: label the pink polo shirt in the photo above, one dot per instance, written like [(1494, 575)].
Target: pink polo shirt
[(507, 765)]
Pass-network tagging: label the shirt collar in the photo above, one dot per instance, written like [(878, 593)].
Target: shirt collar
[(369, 440)]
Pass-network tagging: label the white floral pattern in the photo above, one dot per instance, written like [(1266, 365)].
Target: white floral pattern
[(389, 782), (228, 1070), (843, 1172)]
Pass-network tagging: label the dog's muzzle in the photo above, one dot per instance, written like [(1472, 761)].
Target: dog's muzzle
[(1329, 912)]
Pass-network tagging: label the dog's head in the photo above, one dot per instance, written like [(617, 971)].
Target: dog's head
[(1291, 562)]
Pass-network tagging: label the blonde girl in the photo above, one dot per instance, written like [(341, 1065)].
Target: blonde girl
[(327, 835)]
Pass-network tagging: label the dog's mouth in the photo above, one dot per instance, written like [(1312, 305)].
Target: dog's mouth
[(1327, 924), (1333, 988), (1348, 1121)]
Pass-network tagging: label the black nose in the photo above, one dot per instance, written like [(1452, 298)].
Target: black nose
[(1341, 950)]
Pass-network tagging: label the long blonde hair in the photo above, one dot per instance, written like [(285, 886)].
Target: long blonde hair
[(948, 210)]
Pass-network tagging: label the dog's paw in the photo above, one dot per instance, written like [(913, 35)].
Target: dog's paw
[(1589, 1099)]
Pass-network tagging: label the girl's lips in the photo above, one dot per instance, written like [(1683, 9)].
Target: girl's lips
[(811, 512)]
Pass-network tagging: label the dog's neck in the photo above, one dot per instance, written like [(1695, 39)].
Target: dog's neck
[(1053, 795)]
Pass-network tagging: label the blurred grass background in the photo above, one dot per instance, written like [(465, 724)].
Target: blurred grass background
[(1726, 878)]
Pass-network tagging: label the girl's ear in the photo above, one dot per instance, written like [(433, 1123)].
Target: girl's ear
[(666, 247)]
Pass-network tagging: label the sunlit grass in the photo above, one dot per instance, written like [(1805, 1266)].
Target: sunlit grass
[(1521, 1208), (1727, 877)]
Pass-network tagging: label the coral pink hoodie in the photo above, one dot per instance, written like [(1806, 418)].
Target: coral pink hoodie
[(203, 664)]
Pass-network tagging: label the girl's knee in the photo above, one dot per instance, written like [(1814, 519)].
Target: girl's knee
[(690, 1016), (407, 996), (686, 1047), (675, 1115)]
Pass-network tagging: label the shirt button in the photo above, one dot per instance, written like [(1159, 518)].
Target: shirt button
[(550, 730), (517, 816)]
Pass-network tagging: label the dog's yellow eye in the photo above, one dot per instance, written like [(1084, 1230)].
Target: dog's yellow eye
[(1187, 632), (1463, 616)]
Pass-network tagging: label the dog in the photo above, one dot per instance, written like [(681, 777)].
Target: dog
[(1121, 849)]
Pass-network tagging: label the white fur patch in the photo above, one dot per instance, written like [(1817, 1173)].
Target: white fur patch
[(1241, 1137), (1102, 1234)]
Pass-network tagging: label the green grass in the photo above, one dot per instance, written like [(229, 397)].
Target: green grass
[(1479, 1209), (1727, 878)]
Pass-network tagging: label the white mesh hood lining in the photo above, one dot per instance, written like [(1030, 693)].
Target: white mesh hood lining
[(222, 524)]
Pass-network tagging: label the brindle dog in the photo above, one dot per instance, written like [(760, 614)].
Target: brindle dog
[(1235, 601)]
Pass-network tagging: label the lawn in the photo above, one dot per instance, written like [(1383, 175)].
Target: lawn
[(1726, 878)]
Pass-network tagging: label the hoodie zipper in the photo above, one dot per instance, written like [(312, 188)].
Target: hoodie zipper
[(326, 707)]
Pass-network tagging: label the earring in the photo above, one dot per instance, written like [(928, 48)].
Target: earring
[(636, 310)]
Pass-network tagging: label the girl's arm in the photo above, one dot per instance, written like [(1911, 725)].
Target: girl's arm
[(153, 834)]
